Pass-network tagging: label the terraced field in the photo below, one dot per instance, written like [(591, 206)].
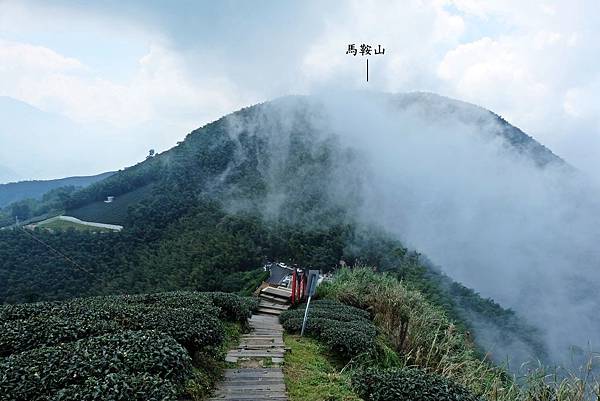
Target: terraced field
[(114, 212)]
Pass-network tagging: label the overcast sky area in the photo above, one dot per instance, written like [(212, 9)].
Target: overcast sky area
[(86, 88)]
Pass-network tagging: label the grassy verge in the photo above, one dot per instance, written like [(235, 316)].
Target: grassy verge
[(312, 375), (424, 337)]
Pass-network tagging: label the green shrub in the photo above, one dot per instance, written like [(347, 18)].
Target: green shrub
[(350, 338), (195, 329), (314, 326), (227, 306), (10, 312), (118, 387), (344, 329), (174, 299), (79, 346), (233, 307), (251, 303), (418, 331), (23, 335), (407, 385), (328, 309), (41, 373)]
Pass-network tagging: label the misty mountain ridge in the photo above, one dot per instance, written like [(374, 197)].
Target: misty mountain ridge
[(436, 106), (35, 189), (362, 177)]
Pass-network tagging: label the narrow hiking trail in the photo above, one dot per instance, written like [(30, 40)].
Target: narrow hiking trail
[(259, 356)]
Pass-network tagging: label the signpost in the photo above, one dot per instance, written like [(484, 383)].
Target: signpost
[(313, 279)]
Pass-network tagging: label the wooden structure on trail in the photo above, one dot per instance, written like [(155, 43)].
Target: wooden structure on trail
[(259, 355)]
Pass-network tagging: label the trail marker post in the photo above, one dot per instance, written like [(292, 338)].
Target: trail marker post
[(313, 279)]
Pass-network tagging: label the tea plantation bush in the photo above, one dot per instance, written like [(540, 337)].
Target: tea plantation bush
[(344, 329), (191, 318), (41, 373), (407, 385), (233, 307), (11, 312), (23, 335), (175, 299), (193, 329), (113, 347), (117, 387)]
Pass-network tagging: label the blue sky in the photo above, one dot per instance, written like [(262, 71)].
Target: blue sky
[(133, 75)]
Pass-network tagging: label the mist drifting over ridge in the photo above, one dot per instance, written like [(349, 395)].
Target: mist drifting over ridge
[(497, 211)]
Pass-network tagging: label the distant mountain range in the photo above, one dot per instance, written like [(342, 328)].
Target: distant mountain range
[(16, 191)]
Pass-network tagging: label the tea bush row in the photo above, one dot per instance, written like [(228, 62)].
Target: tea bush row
[(191, 318), (229, 306), (408, 385), (81, 369), (233, 307), (118, 387), (194, 329), (344, 329)]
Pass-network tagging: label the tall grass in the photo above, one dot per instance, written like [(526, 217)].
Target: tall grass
[(424, 337)]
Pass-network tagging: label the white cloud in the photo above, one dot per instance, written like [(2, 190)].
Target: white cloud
[(412, 32), (36, 59), (161, 89), (582, 102), (493, 73)]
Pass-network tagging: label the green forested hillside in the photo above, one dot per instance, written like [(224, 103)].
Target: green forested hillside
[(208, 213)]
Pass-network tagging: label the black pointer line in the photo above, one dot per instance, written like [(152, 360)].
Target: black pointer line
[(367, 70)]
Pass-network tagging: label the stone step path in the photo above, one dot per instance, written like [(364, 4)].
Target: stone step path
[(251, 380)]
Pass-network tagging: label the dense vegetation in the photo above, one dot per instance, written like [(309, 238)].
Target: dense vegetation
[(346, 330), (114, 212), (423, 355), (153, 346), (351, 336), (30, 210), (407, 384), (208, 213)]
